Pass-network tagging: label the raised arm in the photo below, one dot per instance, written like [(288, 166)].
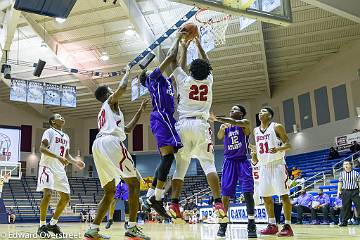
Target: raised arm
[(221, 132), (183, 55), (203, 54), (172, 53), (130, 126), (114, 98), (281, 133)]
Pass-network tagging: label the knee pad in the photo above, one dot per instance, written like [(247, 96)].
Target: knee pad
[(250, 204), (164, 167)]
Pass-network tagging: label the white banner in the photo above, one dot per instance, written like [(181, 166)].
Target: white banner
[(238, 214), (345, 141), (10, 144)]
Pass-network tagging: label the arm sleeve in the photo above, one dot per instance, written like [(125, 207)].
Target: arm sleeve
[(156, 74)]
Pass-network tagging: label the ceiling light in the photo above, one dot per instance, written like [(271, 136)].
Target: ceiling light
[(104, 56), (60, 20)]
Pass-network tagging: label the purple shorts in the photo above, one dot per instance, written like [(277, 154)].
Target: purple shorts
[(122, 192), (235, 170), (163, 128)]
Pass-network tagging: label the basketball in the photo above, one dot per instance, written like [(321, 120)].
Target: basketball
[(191, 29)]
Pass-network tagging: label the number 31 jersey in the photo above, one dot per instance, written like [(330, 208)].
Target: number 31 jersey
[(58, 143), (265, 140), (195, 96)]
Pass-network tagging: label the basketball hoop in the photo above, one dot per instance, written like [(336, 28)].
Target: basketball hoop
[(215, 23)]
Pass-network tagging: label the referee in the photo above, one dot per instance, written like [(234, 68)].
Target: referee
[(348, 190)]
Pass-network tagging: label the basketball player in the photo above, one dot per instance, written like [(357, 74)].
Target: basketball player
[(122, 193), (55, 145), (195, 98), (112, 159), (256, 176), (162, 124), (236, 167), (271, 144)]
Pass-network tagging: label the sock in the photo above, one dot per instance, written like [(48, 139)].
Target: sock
[(251, 217), (150, 192), (132, 224), (288, 222), (158, 193), (53, 221), (94, 226), (126, 217), (272, 221), (42, 223), (175, 200), (218, 200)]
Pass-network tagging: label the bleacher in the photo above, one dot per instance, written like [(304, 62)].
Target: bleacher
[(22, 196)]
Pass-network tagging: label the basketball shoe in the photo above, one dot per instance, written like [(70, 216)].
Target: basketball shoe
[(271, 229), (43, 232), (175, 214), (286, 231), (220, 212), (55, 229), (109, 223), (135, 232), (158, 206), (93, 234)]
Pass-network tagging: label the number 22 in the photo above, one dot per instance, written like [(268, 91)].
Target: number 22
[(195, 90)]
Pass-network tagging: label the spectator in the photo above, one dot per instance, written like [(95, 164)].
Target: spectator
[(302, 204), (300, 181), (11, 215), (333, 154), (335, 210), (321, 203), (92, 214), (295, 172), (355, 147), (83, 215)]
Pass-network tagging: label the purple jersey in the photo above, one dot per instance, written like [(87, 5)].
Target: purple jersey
[(122, 191), (161, 91), (235, 143)]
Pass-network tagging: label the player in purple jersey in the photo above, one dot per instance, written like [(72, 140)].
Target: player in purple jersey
[(162, 124), (122, 193), (236, 167)]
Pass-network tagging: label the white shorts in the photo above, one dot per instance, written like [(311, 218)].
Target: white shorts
[(52, 180), (273, 179), (195, 135), (112, 160)]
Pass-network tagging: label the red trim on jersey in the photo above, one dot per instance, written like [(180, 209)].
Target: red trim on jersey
[(125, 156), (287, 177), (47, 175)]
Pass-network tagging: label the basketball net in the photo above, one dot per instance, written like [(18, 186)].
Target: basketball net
[(216, 23)]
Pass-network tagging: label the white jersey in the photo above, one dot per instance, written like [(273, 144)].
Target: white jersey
[(111, 123), (256, 172), (59, 143), (195, 97), (265, 140)]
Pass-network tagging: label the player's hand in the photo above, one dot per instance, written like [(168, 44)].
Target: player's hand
[(181, 34), (63, 160), (212, 117), (80, 164), (274, 150), (144, 103)]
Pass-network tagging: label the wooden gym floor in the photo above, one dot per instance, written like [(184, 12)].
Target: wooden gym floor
[(185, 232)]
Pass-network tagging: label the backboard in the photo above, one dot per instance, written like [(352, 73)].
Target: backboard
[(271, 11), (10, 169)]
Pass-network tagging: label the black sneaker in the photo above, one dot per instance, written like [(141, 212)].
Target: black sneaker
[(343, 224), (55, 229), (109, 223), (222, 230), (251, 230), (43, 232), (158, 206)]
